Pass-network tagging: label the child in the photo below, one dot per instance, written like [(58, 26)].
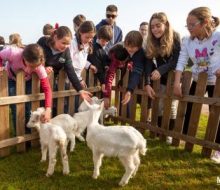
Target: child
[(57, 53), (143, 29), (118, 59), (99, 58), (31, 59), (81, 46), (133, 45), (111, 15), (203, 48), (163, 46), (77, 21), (15, 40)]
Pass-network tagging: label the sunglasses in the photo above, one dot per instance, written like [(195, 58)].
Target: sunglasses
[(111, 16)]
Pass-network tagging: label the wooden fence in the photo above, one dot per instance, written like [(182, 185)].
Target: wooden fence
[(207, 143)]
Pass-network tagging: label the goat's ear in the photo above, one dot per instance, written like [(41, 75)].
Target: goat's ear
[(87, 103)]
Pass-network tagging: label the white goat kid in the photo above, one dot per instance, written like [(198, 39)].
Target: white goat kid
[(111, 111), (66, 122), (52, 137), (122, 141)]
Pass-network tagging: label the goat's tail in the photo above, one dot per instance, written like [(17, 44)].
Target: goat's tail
[(142, 146)]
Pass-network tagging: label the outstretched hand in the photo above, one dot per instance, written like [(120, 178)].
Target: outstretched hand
[(126, 98), (85, 95)]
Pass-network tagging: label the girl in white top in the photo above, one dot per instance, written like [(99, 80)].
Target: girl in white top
[(203, 48), (80, 47)]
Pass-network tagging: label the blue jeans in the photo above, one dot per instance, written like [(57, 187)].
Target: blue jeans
[(12, 92)]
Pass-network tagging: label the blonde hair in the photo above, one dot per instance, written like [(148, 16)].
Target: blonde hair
[(15, 39), (165, 45), (203, 14)]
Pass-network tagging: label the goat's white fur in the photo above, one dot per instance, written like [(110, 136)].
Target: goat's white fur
[(111, 111), (51, 137), (122, 141)]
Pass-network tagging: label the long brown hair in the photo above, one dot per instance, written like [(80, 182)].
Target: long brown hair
[(85, 27), (165, 45)]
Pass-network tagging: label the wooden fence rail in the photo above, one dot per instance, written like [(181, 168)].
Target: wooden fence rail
[(136, 116)]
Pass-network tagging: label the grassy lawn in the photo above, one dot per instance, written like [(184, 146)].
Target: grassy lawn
[(164, 167)]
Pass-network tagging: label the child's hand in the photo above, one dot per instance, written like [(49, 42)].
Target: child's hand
[(150, 91), (83, 84), (177, 90), (126, 98), (155, 75), (86, 95), (1, 70), (217, 73), (46, 116), (93, 68), (103, 87), (106, 68), (106, 103), (49, 70)]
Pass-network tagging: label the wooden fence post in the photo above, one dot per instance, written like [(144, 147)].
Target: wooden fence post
[(181, 111), (20, 109), (155, 106), (213, 121), (35, 104), (167, 102), (4, 113), (196, 109), (61, 87)]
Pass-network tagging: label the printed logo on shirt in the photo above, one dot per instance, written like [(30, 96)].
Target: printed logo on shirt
[(202, 60), (62, 60)]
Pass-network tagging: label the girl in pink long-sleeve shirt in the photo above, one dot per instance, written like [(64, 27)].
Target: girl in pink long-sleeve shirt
[(30, 60)]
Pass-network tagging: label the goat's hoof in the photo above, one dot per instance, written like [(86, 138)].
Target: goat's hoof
[(122, 183), (42, 160), (48, 174), (66, 172), (94, 176)]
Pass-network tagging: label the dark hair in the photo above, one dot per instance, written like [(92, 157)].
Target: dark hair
[(33, 53), (2, 40), (105, 32), (47, 29), (79, 19), (112, 8), (143, 23), (134, 39), (85, 27), (60, 32), (119, 52)]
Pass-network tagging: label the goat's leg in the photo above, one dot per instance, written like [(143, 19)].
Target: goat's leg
[(43, 152), (64, 157), (52, 159), (136, 160), (129, 169), (72, 141), (97, 160)]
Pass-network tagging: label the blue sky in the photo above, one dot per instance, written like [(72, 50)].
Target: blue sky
[(27, 17)]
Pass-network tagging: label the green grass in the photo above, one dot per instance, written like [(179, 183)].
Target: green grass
[(164, 167)]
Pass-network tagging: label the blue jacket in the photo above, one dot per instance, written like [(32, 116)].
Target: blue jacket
[(117, 34), (139, 61)]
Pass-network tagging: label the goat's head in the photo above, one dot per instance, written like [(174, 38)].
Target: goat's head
[(34, 121), (95, 100), (95, 110)]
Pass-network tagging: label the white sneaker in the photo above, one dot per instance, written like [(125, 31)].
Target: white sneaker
[(216, 157), (169, 140)]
